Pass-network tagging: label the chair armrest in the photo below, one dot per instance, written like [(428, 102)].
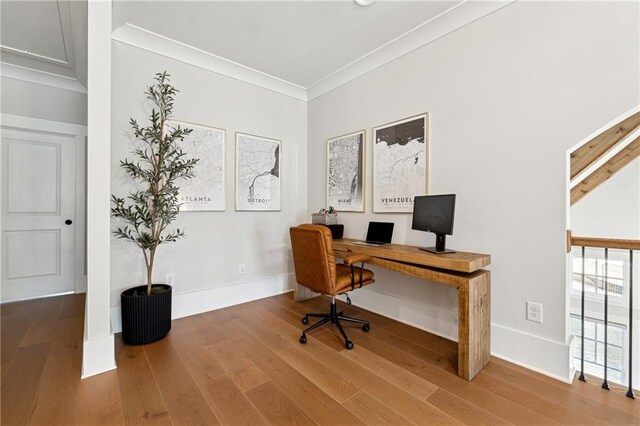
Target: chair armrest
[(349, 260)]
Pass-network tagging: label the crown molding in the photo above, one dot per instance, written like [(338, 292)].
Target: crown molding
[(447, 22), (41, 125), (36, 56), (41, 77), (161, 45)]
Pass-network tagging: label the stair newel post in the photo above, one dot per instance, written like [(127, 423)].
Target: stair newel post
[(581, 377), (630, 390), (605, 384)]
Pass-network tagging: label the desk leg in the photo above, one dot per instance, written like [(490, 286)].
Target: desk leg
[(474, 326), (301, 293)]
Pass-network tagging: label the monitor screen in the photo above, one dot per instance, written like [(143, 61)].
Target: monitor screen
[(434, 213)]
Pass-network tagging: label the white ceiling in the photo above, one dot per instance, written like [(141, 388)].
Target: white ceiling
[(301, 48), (300, 42), (49, 37)]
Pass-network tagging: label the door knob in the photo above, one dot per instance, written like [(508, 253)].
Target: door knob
[(68, 222)]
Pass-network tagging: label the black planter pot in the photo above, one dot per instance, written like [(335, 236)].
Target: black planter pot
[(145, 319)]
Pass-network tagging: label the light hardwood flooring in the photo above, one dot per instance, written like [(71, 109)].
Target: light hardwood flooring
[(244, 365)]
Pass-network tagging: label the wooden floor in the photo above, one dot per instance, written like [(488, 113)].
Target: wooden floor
[(244, 365)]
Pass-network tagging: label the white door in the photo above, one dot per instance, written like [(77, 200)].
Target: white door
[(38, 208)]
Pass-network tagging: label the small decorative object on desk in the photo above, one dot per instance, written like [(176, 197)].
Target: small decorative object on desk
[(325, 217)]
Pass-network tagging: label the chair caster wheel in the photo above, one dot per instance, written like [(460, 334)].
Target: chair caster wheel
[(305, 320), (348, 344), (365, 328), (303, 339)]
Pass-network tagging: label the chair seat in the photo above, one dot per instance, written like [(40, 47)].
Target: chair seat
[(343, 278)]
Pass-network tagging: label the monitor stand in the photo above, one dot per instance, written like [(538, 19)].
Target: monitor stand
[(440, 246)]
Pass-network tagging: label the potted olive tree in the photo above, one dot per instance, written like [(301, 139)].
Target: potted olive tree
[(146, 213)]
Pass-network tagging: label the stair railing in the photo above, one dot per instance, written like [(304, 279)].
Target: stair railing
[(606, 244)]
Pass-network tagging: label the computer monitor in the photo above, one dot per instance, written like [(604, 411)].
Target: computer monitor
[(434, 213)]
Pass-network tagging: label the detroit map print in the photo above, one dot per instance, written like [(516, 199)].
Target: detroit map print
[(400, 160), (345, 172), (206, 190), (258, 173)]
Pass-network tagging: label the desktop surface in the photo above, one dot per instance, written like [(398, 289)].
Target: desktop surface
[(457, 261)]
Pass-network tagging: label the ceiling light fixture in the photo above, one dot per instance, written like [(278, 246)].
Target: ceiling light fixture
[(363, 2)]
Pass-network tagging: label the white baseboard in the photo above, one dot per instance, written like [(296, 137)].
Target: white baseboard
[(535, 353), (196, 302), (433, 319), (544, 356), (98, 356)]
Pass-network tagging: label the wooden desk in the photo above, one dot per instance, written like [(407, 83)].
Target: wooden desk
[(460, 270)]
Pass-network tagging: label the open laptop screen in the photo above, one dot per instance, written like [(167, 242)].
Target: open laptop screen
[(380, 232)]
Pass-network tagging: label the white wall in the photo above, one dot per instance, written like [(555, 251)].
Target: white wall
[(216, 242), (612, 210), (45, 102), (508, 95)]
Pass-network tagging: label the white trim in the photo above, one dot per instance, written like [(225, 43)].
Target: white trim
[(437, 27), (36, 56), (45, 296), (99, 346), (447, 22), (80, 220), (98, 356), (38, 124), (442, 322), (41, 77), (537, 370), (161, 45), (542, 355), (187, 304)]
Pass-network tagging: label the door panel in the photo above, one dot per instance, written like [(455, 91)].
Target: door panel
[(32, 254), (31, 190), (38, 195)]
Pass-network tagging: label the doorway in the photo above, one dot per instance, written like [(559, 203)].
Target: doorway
[(42, 235)]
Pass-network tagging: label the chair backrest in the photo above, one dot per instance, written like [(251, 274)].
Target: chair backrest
[(313, 257)]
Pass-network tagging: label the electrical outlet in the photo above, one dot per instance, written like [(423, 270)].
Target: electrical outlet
[(534, 312), (170, 278), (241, 268)]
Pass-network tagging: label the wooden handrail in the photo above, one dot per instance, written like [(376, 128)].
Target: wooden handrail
[(605, 171), (612, 243), (599, 146)]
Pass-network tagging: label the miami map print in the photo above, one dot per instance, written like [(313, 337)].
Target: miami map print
[(345, 172)]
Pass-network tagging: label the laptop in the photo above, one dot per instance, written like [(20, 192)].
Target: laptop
[(378, 234)]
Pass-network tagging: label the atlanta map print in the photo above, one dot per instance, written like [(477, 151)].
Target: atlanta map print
[(206, 190)]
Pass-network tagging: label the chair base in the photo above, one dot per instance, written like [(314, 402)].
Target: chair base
[(334, 317)]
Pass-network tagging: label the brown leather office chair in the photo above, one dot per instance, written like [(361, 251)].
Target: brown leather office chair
[(316, 269)]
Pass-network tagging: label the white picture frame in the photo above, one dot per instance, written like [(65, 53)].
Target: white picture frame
[(346, 177), (258, 177), (206, 191), (400, 164)]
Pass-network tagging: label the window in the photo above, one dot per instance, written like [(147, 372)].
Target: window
[(594, 348), (594, 276)]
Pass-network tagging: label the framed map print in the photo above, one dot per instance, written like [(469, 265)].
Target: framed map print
[(400, 164), (345, 172), (258, 167), (206, 190)]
